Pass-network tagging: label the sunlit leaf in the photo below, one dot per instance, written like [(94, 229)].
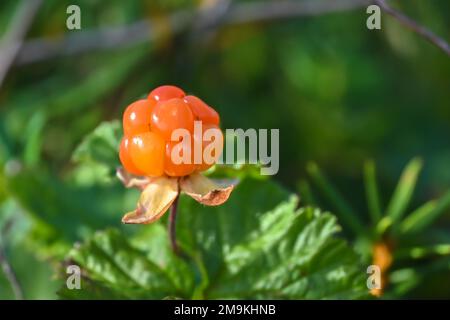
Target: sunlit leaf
[(252, 246)]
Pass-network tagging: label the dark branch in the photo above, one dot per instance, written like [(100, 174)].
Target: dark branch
[(414, 26), (150, 30), (12, 41), (226, 13), (172, 226), (9, 271), (273, 10)]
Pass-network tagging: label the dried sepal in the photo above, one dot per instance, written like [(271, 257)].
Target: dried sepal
[(155, 200), (206, 191), (130, 181)]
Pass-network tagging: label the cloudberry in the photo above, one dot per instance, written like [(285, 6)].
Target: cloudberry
[(209, 154), (179, 169), (125, 159), (147, 153), (136, 118), (146, 148), (164, 93), (170, 115), (202, 111)]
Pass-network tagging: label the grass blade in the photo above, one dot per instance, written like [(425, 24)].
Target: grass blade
[(422, 252), (343, 211), (425, 215), (306, 196), (34, 133), (372, 194), (404, 280), (404, 190)]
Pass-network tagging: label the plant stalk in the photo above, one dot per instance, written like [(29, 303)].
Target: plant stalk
[(172, 226), (10, 274)]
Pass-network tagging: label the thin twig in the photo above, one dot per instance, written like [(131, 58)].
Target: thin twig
[(12, 42), (142, 31), (414, 26), (209, 17), (261, 11), (172, 226), (145, 31), (10, 274)]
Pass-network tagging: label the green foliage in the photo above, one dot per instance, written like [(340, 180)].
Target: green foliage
[(346, 213), (425, 215), (243, 249), (372, 193), (97, 155), (121, 270), (403, 193), (62, 213), (338, 93), (101, 145), (407, 234), (257, 245)]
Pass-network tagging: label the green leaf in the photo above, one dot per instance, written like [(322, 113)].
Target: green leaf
[(120, 270), (404, 191), (291, 256), (237, 171), (305, 192), (257, 245), (423, 251), (373, 197), (101, 145), (33, 133), (97, 154), (64, 214), (404, 280), (3, 191), (425, 215)]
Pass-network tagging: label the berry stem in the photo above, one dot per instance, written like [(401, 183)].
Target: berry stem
[(172, 226)]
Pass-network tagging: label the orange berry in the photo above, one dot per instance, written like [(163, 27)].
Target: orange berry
[(125, 159), (147, 153), (136, 118), (202, 111), (215, 153), (164, 93), (170, 115), (181, 169)]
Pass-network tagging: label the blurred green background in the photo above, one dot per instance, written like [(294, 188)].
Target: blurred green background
[(339, 93)]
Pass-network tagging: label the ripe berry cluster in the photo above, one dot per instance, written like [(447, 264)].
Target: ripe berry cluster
[(148, 124)]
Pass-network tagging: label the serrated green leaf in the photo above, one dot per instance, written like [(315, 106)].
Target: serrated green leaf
[(257, 245), (114, 268), (293, 258), (109, 258)]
